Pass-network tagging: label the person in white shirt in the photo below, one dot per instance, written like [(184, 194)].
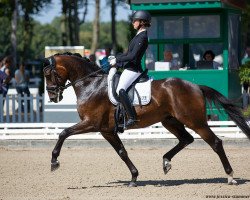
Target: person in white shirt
[(22, 82)]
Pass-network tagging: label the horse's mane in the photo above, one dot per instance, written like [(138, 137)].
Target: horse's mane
[(84, 59)]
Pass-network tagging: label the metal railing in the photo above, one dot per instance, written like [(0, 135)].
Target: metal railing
[(21, 109)]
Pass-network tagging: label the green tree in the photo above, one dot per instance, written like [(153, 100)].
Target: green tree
[(96, 27), (5, 45), (25, 8), (46, 35), (70, 21)]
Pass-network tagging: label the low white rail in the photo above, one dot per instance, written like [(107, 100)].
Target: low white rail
[(48, 131)]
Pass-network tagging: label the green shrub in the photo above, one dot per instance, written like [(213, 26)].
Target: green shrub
[(244, 73), (246, 112)]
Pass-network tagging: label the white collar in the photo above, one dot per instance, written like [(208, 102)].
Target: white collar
[(141, 30)]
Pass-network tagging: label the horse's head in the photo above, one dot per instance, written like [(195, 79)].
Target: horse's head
[(67, 66), (56, 78)]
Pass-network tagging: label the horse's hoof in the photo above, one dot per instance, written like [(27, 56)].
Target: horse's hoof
[(132, 184), (166, 165), (55, 165), (232, 182)]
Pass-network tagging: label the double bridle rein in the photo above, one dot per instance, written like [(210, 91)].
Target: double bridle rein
[(57, 88)]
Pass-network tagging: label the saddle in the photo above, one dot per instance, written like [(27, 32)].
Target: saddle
[(139, 92)]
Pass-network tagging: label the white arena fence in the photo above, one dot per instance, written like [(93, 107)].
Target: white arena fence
[(17, 109), (22, 131)]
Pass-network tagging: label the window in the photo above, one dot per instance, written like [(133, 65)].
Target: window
[(233, 49), (151, 57), (176, 27)]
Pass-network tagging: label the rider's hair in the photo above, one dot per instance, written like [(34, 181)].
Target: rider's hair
[(145, 23)]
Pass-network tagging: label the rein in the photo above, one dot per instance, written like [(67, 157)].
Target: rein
[(81, 79)]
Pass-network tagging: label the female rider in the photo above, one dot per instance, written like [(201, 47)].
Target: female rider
[(131, 61)]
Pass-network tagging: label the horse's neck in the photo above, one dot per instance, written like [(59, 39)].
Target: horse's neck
[(89, 87)]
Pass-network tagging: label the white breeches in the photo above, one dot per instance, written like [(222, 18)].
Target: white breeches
[(126, 79)]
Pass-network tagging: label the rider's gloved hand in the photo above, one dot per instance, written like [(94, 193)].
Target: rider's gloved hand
[(112, 60)]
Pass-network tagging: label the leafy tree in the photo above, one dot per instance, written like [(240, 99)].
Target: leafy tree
[(114, 4), (5, 31), (86, 30), (46, 35), (96, 27), (70, 21), (26, 8)]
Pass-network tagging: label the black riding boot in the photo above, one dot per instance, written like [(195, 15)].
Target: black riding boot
[(130, 110)]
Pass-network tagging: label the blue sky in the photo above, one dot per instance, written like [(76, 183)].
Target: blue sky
[(52, 11)]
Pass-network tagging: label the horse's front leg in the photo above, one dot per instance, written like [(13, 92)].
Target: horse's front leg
[(79, 128), (116, 143)]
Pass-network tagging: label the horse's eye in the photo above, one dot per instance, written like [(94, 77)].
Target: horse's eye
[(47, 71)]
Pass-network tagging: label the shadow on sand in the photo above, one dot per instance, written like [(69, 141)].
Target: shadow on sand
[(163, 183)]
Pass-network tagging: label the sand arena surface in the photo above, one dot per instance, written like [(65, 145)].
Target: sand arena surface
[(98, 173)]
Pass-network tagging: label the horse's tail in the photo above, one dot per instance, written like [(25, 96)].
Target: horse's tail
[(231, 109)]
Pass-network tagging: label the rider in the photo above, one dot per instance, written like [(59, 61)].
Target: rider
[(131, 61)]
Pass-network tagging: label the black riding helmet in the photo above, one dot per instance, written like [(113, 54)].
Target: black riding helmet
[(142, 15)]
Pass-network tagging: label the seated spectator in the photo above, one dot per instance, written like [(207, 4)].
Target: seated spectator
[(209, 56), (168, 57)]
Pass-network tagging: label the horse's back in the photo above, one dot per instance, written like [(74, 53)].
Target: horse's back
[(179, 98), (176, 85)]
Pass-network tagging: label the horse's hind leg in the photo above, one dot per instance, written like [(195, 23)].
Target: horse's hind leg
[(116, 143), (178, 129), (216, 144)]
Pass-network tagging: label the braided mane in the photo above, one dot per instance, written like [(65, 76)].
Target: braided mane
[(85, 59)]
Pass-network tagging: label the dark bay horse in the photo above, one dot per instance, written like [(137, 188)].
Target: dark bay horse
[(175, 103)]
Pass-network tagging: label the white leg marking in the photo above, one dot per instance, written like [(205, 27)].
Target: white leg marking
[(231, 180)]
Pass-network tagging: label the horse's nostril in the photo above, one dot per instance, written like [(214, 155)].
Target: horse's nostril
[(52, 98)]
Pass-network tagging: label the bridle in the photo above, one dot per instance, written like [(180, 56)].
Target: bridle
[(50, 70), (57, 88)]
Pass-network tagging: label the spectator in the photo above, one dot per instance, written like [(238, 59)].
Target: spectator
[(209, 56), (247, 53), (22, 83), (168, 57), (104, 63), (5, 80)]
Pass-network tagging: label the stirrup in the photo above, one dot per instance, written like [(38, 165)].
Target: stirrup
[(130, 122)]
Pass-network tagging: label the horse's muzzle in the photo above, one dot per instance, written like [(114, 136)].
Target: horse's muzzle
[(56, 98)]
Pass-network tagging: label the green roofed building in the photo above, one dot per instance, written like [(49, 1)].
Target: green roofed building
[(188, 29)]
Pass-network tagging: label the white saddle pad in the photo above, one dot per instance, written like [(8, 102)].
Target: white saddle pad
[(144, 90)]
